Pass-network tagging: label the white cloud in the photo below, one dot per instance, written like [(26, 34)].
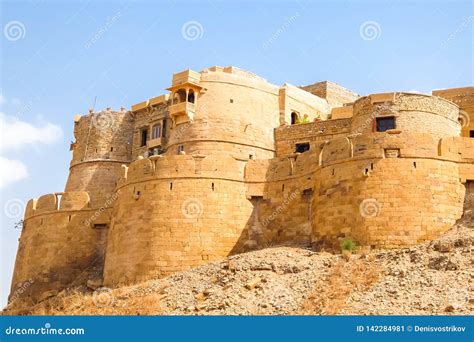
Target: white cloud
[(11, 171), (16, 134)]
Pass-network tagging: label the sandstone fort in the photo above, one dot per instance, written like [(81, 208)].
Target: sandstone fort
[(226, 162)]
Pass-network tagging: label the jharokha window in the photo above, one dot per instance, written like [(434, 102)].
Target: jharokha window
[(385, 123), (471, 133), (156, 131)]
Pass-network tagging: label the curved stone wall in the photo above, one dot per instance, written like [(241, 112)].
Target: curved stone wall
[(235, 114), (413, 113), (58, 246), (174, 213), (386, 190), (103, 144)]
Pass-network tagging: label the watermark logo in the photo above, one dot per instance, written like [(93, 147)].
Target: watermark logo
[(103, 30), (14, 30), (370, 30), (461, 28), (274, 37), (14, 208), (464, 119), (21, 288), (192, 208), (103, 120), (369, 208), (192, 30), (282, 207), (108, 203), (103, 297)]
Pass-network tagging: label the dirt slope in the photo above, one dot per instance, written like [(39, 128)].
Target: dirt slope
[(433, 278)]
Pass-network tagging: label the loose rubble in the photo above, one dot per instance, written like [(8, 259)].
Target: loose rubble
[(429, 279)]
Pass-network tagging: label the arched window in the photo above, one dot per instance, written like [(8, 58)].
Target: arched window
[(191, 96), (181, 95), (175, 98), (294, 118)]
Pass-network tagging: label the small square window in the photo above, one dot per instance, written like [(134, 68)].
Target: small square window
[(303, 147), (471, 133), (180, 149), (385, 123), (231, 100)]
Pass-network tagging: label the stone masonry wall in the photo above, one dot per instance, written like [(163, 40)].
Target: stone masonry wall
[(464, 98), (103, 144), (58, 245), (314, 133), (195, 211)]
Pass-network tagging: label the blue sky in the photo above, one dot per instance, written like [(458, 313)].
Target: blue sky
[(57, 56)]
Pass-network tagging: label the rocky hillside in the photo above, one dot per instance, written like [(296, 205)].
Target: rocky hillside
[(433, 278)]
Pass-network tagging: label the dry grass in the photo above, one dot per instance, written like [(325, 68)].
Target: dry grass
[(347, 276), (120, 301)]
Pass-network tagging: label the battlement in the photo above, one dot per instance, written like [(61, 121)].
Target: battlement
[(59, 201), (183, 166)]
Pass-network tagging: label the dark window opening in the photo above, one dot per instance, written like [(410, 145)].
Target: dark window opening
[(100, 226), (303, 147), (212, 186), (164, 128), (180, 149), (307, 193), (384, 124), (171, 186), (111, 149), (282, 187), (231, 100), (191, 96), (181, 95), (144, 137), (471, 133), (294, 118)]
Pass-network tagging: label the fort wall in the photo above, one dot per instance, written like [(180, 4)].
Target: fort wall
[(103, 143), (195, 211), (335, 94), (313, 133), (59, 246), (464, 98), (234, 171), (233, 114)]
